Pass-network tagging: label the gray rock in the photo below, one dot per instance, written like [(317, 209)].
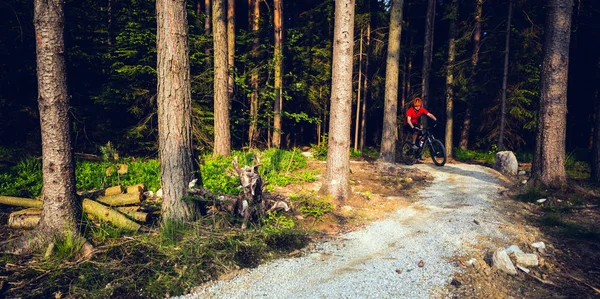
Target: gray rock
[(513, 249), (503, 262), (526, 259), (540, 246), (506, 163), (522, 172)]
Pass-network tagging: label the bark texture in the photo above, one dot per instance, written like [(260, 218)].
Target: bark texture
[(358, 90), (278, 53), (253, 134), (549, 159), (427, 50), (464, 133), (390, 110), (174, 109), (505, 80), (207, 28), (231, 48), (61, 209), (221, 110), (338, 156), (448, 140), (363, 121)]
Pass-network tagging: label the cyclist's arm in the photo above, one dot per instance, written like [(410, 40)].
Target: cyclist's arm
[(431, 116), (408, 120)]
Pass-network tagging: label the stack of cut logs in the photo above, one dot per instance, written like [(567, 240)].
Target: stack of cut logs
[(121, 206)]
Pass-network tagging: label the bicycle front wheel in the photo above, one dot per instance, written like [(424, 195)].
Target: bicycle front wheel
[(407, 153), (437, 152)]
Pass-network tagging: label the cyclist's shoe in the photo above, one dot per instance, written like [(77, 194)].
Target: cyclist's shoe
[(415, 147)]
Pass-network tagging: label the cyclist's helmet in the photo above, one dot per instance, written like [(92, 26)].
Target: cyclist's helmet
[(417, 102)]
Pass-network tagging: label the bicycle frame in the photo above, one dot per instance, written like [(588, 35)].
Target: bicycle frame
[(427, 138)]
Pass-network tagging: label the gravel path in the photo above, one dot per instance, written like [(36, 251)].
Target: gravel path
[(381, 260)]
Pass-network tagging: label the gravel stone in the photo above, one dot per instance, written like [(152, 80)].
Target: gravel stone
[(365, 263)]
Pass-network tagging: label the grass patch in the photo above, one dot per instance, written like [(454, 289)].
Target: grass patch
[(311, 205), (166, 263), (277, 168), (532, 195), (475, 156)]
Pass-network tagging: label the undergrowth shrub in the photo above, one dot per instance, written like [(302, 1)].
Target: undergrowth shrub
[(310, 205), (22, 180), (276, 168)]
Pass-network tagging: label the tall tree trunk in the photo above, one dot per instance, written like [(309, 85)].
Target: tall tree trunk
[(61, 209), (278, 53), (231, 48), (363, 122), (390, 110), (450, 78), (464, 134), (596, 141), (427, 50), (109, 22), (222, 130), (174, 102), (253, 130), (505, 80), (338, 157), (207, 29), (359, 88), (549, 159), (409, 74)]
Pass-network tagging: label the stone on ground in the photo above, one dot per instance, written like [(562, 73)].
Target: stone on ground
[(513, 249), (503, 262), (526, 259), (506, 163)]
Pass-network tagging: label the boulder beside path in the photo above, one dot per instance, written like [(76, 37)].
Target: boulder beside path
[(506, 163)]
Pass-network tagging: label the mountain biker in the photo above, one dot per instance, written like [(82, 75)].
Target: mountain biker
[(411, 121)]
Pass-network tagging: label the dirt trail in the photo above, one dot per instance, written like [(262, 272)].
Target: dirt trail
[(382, 259)]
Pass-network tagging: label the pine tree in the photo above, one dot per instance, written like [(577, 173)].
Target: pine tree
[(549, 160), (338, 151)]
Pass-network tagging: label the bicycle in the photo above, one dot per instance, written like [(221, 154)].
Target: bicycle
[(424, 140)]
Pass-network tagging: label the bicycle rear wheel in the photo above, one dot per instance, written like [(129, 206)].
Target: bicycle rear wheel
[(437, 152), (407, 153)]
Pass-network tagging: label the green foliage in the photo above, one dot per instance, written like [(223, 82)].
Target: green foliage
[(472, 155), (275, 223), (354, 154), (23, 179), (92, 175), (66, 246), (276, 168), (320, 151), (310, 205)]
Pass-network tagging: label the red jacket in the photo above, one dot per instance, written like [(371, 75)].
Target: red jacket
[(414, 115)]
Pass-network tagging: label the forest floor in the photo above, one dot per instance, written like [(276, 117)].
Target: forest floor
[(416, 231), (401, 238)]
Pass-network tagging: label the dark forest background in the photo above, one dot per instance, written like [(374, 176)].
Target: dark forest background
[(111, 72)]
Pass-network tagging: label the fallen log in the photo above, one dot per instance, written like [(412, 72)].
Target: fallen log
[(105, 213), (20, 202), (139, 188), (135, 214), (120, 199), (114, 190), (91, 207), (25, 219)]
